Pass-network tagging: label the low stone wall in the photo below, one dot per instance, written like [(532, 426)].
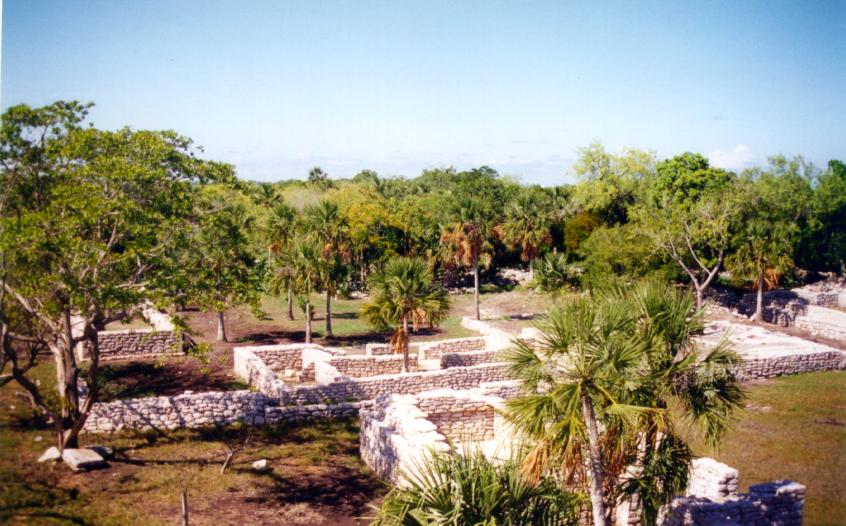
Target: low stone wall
[(398, 431), (137, 343), (712, 480), (332, 385), (370, 387), (459, 419), (363, 366), (780, 502), (204, 410), (465, 359), (434, 350), (767, 353), (754, 368), (378, 349)]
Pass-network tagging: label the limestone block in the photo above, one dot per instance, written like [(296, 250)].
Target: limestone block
[(82, 459)]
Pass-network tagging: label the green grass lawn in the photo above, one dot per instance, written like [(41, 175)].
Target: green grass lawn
[(794, 428)]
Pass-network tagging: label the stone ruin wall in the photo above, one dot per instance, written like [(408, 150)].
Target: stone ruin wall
[(137, 343), (756, 368), (466, 359), (161, 340), (363, 366), (397, 432), (197, 410), (434, 350), (378, 349), (780, 502), (460, 420)]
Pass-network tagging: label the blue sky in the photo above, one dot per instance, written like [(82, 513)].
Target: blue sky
[(277, 87)]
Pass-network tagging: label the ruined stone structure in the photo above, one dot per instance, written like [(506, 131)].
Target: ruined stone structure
[(195, 410), (161, 339), (399, 431), (434, 350)]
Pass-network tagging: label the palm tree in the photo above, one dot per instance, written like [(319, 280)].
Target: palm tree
[(599, 387), (528, 224), (304, 260), (469, 239), (554, 273), (325, 223), (404, 292), (467, 488), (278, 231)]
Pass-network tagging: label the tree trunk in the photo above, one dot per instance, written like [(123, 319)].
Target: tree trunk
[(221, 327), (759, 305), (699, 293), (328, 314), (476, 286), (184, 507), (75, 409), (308, 322), (290, 302), (405, 346), (597, 501)]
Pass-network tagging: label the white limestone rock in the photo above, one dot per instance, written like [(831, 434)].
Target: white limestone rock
[(52, 453), (82, 459), (261, 466)]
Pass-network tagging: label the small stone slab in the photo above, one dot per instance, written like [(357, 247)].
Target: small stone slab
[(261, 466), (82, 459), (52, 453)]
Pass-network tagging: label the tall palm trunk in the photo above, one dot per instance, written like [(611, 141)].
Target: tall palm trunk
[(290, 302), (476, 285), (308, 321), (600, 517), (328, 314), (759, 304), (405, 346), (221, 326)]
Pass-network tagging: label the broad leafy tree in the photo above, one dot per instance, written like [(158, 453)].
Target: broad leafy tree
[(776, 202), (404, 293), (225, 273), (688, 212), (89, 223)]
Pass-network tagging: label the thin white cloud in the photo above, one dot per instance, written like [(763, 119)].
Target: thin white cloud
[(737, 159)]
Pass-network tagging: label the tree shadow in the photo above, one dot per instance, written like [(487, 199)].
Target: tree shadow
[(34, 498)]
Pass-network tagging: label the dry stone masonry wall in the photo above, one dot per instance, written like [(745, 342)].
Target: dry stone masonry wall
[(161, 340), (466, 359), (780, 503), (137, 343), (190, 410), (398, 431), (434, 350)]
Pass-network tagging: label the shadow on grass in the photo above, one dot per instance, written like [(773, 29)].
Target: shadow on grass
[(34, 499)]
